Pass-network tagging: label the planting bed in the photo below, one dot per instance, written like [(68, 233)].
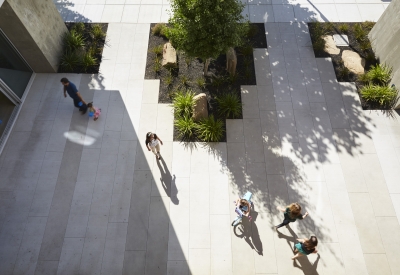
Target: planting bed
[(189, 71), (357, 43), (90, 42)]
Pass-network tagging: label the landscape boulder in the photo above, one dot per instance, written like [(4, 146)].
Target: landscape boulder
[(330, 45), (353, 61), (200, 109), (169, 56)]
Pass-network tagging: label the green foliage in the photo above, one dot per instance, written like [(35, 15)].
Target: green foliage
[(157, 65), (79, 28), (344, 28), (158, 50), (201, 82), (329, 27), (359, 32), (184, 80), (185, 126), (318, 32), (183, 103), (232, 78), (319, 45), (344, 72), (159, 29), (206, 28), (69, 61), (97, 32), (210, 129), (379, 75), (368, 25), (365, 45), (168, 80), (87, 61), (246, 50), (382, 95), (218, 81), (73, 41), (229, 105)]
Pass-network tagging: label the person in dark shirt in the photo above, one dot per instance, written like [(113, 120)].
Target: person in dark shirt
[(291, 214), (73, 93), (305, 247)]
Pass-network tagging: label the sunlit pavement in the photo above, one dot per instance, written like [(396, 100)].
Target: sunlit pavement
[(86, 197)]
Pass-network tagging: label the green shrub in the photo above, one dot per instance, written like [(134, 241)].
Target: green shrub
[(79, 28), (158, 50), (328, 27), (379, 74), (246, 50), (73, 41), (168, 80), (157, 65), (69, 61), (359, 32), (88, 61), (382, 95), (344, 28), (368, 25), (183, 103), (344, 72), (218, 81), (210, 129), (229, 105), (184, 80), (97, 32), (319, 45), (159, 29), (186, 127), (365, 45), (201, 82)]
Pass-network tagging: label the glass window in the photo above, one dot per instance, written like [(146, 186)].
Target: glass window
[(13, 69)]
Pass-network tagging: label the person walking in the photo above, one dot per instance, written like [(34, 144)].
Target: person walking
[(73, 93), (305, 247), (153, 144), (291, 214)]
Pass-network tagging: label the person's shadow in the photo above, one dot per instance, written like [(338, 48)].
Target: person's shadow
[(168, 182), (305, 264), (249, 232)]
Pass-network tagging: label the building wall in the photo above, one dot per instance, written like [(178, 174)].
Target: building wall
[(385, 37), (36, 28)]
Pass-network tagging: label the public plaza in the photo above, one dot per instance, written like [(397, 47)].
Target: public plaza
[(79, 196)]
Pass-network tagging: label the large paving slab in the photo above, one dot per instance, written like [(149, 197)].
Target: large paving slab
[(79, 196)]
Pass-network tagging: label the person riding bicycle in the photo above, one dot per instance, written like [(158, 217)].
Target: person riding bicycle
[(244, 206)]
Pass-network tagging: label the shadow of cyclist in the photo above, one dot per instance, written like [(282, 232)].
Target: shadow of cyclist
[(248, 230)]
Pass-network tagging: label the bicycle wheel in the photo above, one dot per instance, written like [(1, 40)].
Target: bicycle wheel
[(236, 221)]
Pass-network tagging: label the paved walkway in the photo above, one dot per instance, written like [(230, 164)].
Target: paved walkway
[(85, 197)]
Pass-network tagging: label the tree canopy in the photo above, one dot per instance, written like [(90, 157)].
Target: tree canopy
[(206, 28)]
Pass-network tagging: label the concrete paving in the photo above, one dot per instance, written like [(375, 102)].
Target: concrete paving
[(86, 197)]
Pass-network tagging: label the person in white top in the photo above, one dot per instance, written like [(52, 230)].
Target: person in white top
[(153, 144)]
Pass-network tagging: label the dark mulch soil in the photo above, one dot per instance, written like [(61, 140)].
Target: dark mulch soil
[(89, 41), (193, 70), (354, 45)]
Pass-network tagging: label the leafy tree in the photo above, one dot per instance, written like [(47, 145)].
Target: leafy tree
[(206, 28)]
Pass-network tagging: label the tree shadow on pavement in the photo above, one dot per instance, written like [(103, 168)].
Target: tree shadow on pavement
[(305, 265)]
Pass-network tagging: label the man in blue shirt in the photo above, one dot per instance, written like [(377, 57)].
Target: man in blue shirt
[(72, 91)]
